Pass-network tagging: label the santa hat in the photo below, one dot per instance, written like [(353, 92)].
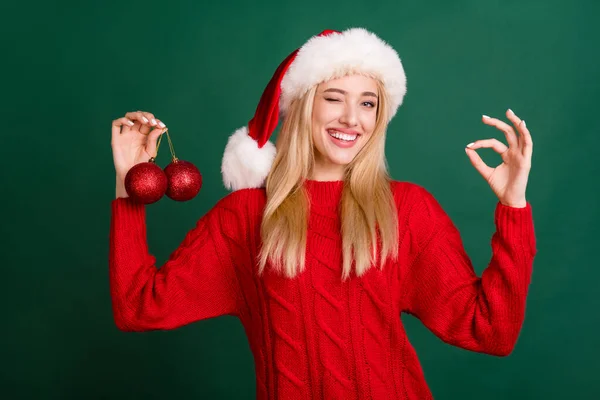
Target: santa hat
[(249, 154)]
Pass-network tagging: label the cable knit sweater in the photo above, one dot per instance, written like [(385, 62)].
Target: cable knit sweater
[(315, 336)]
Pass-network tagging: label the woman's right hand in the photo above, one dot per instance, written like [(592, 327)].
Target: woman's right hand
[(134, 140)]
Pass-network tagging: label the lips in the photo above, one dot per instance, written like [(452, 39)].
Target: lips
[(344, 130), (343, 135), (343, 140)]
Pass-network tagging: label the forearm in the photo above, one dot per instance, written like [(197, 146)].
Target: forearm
[(479, 314), (197, 281), (129, 264)]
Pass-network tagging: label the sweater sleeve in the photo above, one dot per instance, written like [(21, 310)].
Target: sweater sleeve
[(482, 314), (197, 282)]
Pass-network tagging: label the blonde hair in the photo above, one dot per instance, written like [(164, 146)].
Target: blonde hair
[(369, 223)]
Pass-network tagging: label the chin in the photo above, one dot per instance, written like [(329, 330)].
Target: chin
[(336, 155), (341, 157)]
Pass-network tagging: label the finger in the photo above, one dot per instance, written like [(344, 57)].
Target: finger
[(159, 125), (494, 144), (118, 123), (478, 163), (510, 114), (143, 121), (151, 143), (145, 129), (138, 116), (511, 137), (527, 140), (517, 122), (154, 124), (150, 117)]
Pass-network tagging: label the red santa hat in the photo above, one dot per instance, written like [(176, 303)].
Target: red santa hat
[(249, 153)]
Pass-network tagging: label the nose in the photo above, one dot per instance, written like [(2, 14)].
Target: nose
[(349, 116)]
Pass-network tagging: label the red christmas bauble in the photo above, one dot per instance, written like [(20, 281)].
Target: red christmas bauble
[(184, 180), (146, 182)]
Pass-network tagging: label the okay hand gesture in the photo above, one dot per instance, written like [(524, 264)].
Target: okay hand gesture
[(509, 179)]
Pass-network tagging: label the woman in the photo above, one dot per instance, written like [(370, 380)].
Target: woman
[(317, 250)]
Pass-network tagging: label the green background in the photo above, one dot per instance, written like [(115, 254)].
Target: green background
[(72, 67)]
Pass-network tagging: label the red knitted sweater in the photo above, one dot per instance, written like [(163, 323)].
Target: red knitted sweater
[(314, 336)]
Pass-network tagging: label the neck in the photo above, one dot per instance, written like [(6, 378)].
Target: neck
[(329, 172)]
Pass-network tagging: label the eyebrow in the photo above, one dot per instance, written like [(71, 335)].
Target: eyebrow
[(344, 92)]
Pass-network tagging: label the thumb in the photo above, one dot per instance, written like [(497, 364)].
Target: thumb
[(151, 143), (478, 163)]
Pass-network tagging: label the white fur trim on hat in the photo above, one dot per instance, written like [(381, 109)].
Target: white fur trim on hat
[(354, 50), (244, 164)]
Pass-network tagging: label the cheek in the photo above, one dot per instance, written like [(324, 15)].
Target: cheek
[(324, 113), (368, 121)]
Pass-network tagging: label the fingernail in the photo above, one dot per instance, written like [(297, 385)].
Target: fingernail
[(470, 144), (485, 116), (145, 119), (153, 121), (130, 122), (523, 122), (510, 111), (161, 124)]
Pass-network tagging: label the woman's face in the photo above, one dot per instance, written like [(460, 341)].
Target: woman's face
[(343, 118)]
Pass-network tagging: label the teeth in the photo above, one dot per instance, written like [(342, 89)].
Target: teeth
[(343, 136)]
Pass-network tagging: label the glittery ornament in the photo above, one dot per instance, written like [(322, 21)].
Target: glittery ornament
[(146, 182), (184, 180)]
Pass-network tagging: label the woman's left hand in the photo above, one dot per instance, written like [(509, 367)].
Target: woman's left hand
[(509, 179)]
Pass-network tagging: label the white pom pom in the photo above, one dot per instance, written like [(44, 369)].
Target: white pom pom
[(245, 165)]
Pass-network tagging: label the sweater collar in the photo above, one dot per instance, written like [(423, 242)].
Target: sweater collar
[(324, 193)]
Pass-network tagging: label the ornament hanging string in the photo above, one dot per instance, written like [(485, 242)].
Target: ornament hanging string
[(171, 148)]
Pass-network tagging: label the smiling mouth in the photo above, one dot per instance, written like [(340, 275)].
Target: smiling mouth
[(342, 136)]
